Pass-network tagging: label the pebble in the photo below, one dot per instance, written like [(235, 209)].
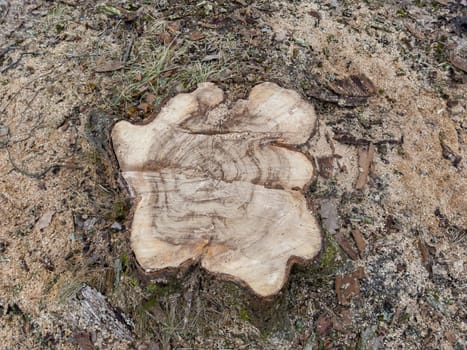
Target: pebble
[(116, 226)]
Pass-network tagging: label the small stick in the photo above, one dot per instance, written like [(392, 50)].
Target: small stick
[(14, 64), (127, 54), (40, 174)]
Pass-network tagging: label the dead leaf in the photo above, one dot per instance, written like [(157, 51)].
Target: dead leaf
[(196, 35), (149, 98), (173, 27), (165, 38), (365, 163), (109, 67), (346, 246), (359, 241), (351, 91), (348, 286), (327, 166), (145, 107), (342, 319), (323, 324), (45, 220)]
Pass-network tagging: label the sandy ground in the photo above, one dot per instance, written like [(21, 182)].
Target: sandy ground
[(69, 69)]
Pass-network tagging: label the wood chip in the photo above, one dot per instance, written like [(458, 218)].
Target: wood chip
[(109, 67), (45, 220), (329, 217), (458, 61), (359, 241), (348, 286), (365, 163), (354, 86), (346, 246), (425, 255)]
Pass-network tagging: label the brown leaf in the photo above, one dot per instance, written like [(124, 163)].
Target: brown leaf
[(365, 163), (323, 324), (327, 166), (346, 246), (196, 35), (359, 241), (173, 27), (342, 319), (149, 98), (165, 38), (145, 107), (45, 220), (109, 67), (348, 286)]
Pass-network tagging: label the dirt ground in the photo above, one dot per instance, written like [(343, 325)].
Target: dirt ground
[(388, 80)]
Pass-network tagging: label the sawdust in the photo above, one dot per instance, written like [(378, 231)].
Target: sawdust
[(414, 195)]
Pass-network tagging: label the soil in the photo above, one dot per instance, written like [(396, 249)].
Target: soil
[(388, 81)]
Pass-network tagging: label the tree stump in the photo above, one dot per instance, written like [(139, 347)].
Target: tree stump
[(222, 185)]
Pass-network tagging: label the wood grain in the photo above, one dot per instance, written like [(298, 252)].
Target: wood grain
[(222, 185)]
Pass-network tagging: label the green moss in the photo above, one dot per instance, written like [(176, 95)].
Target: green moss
[(157, 289), (150, 303), (119, 210), (244, 316), (328, 258)]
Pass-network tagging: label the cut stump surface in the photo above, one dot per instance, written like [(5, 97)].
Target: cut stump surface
[(222, 185)]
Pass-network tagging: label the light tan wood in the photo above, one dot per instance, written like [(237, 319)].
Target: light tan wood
[(222, 185)]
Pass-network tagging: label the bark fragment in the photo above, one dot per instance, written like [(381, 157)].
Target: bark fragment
[(365, 163)]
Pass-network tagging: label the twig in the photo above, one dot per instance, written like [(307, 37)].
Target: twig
[(126, 55), (40, 174), (14, 64), (4, 51)]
